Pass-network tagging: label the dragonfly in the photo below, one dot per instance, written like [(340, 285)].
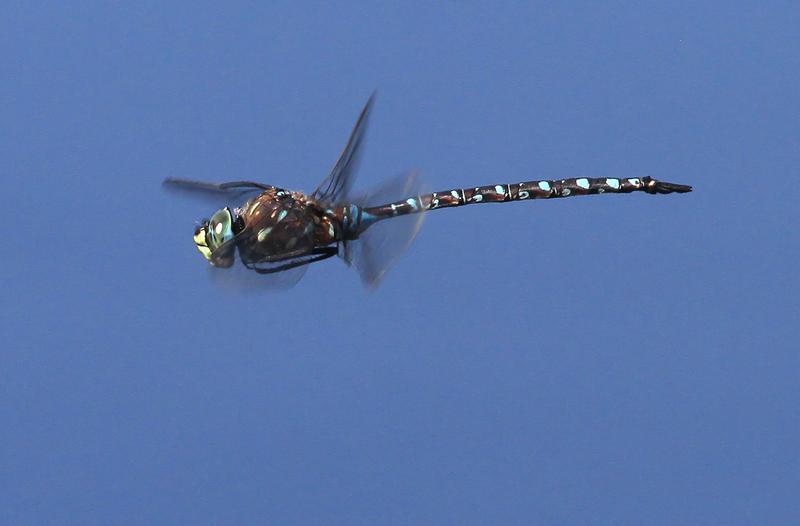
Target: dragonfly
[(278, 231)]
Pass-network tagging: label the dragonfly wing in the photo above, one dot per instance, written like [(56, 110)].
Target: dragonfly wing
[(381, 245), (334, 187), (230, 192), (241, 279)]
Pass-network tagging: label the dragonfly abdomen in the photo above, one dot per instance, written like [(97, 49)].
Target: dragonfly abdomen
[(526, 190)]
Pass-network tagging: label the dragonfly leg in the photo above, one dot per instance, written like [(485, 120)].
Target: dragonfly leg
[(318, 254)]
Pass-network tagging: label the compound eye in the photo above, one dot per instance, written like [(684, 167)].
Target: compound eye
[(220, 228)]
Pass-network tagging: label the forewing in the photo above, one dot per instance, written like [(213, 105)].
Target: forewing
[(241, 279), (334, 187), (232, 193)]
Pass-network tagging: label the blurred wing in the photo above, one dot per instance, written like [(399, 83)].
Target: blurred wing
[(381, 245), (240, 278), (341, 178), (230, 192), (276, 275)]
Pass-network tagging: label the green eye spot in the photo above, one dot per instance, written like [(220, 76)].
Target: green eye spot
[(214, 232), (220, 228)]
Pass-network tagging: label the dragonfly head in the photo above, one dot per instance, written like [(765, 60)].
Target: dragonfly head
[(212, 233)]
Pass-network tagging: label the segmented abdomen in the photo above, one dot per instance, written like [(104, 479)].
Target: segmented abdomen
[(544, 189)]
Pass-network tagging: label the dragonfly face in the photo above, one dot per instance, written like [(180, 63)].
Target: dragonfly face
[(212, 233)]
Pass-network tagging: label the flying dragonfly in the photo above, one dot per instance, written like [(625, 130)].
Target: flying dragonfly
[(281, 231)]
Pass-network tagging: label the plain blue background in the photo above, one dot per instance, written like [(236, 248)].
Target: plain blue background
[(605, 360)]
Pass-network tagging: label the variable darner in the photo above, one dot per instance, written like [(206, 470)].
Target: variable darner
[(279, 230)]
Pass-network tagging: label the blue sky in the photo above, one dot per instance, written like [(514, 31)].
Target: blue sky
[(603, 360)]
